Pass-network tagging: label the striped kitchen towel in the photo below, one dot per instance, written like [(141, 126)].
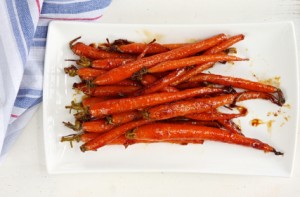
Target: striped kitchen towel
[(23, 32)]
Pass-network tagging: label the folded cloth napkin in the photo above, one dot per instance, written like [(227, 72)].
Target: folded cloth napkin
[(23, 35)]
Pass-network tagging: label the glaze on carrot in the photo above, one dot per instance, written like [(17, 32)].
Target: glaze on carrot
[(165, 131), (128, 104), (190, 61), (126, 70)]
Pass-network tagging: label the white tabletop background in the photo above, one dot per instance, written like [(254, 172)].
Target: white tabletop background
[(23, 172)]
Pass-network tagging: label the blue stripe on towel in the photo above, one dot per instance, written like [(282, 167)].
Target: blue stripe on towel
[(28, 91), (41, 32), (25, 21), (27, 102), (74, 8), (39, 43), (16, 30)]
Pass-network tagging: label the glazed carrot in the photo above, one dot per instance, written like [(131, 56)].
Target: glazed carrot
[(97, 126), (122, 140), (182, 108), (230, 126), (124, 117), (126, 70), (89, 73), (86, 102), (172, 78), (168, 89), (138, 48), (128, 82), (239, 83), (188, 85), (109, 63), (149, 79), (194, 71), (178, 120), (85, 137), (190, 61), (201, 67), (217, 49), (233, 81), (103, 125), (128, 104), (225, 44), (161, 83), (91, 52), (216, 115), (112, 90), (175, 45), (165, 131), (109, 136)]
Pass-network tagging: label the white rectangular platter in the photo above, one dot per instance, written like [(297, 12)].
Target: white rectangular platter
[(271, 48)]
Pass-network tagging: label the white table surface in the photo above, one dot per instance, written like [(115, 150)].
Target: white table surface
[(23, 173)]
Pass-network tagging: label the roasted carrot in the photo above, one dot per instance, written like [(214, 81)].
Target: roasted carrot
[(138, 48), (124, 117), (112, 90), (97, 126), (192, 72), (126, 70), (128, 82), (86, 102), (225, 44), (217, 115), (89, 73), (109, 63), (149, 79), (169, 79), (107, 137), (182, 108), (183, 120), (201, 67), (90, 52), (161, 83), (190, 61), (217, 49), (126, 46), (234, 81), (168, 89), (128, 104), (109, 122), (189, 85), (122, 140), (165, 131), (175, 45), (230, 126)]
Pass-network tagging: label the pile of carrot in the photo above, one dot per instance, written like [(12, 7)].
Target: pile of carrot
[(152, 92)]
